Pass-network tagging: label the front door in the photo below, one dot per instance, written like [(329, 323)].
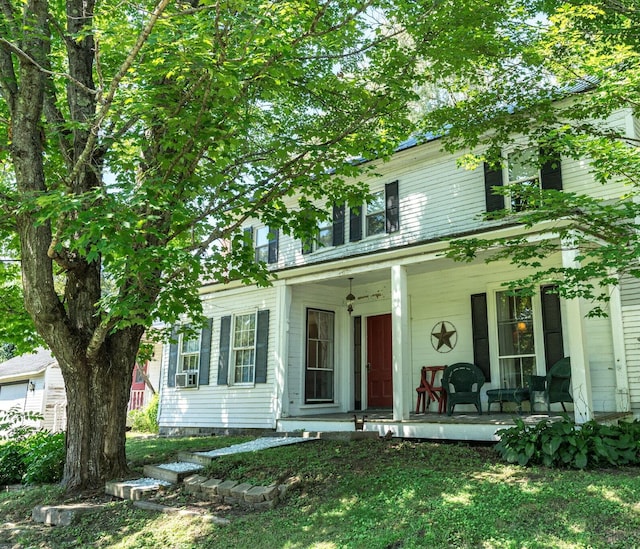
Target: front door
[(379, 362)]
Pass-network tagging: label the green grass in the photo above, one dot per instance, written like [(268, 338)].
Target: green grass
[(363, 494)]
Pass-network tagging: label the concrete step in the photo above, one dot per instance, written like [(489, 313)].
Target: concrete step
[(172, 472), (135, 489), (198, 459), (63, 515)]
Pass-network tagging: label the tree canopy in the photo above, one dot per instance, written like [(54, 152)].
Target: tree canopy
[(136, 138), (554, 73)]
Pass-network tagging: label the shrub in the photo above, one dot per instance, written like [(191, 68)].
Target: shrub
[(45, 458), (31, 455), (146, 419), (12, 465), (564, 444)]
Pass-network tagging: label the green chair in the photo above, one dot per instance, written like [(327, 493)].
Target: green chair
[(462, 383), (554, 386)]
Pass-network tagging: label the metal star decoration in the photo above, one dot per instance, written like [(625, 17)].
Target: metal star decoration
[(445, 335)]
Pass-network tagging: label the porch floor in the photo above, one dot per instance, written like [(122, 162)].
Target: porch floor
[(460, 426)]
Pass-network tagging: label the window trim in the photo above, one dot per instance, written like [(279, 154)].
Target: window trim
[(233, 349), (525, 158), (191, 373)]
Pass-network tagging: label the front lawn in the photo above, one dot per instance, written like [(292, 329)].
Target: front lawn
[(368, 494)]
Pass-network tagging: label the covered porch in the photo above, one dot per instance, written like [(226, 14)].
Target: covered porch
[(465, 426)]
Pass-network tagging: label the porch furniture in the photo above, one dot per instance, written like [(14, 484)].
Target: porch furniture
[(554, 386), (428, 391), (501, 396), (462, 383)]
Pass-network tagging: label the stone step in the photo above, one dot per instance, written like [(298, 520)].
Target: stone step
[(135, 489), (172, 472), (197, 458), (63, 515)]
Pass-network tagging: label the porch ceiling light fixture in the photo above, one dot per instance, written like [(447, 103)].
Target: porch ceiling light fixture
[(350, 297)]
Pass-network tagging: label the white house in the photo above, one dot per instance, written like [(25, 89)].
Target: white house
[(33, 383), (292, 356)]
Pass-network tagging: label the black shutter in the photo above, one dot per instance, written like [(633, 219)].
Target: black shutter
[(262, 341), (223, 360), (272, 256), (493, 178), (338, 224), (480, 328), (551, 174), (551, 326), (355, 224), (205, 353), (173, 359), (392, 207)]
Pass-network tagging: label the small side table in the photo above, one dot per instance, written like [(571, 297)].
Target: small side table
[(500, 396)]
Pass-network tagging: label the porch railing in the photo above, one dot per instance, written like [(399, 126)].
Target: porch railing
[(136, 399)]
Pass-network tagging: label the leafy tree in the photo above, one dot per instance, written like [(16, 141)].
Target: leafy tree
[(548, 78), (137, 138)]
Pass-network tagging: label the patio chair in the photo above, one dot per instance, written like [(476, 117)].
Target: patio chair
[(554, 386), (462, 383)]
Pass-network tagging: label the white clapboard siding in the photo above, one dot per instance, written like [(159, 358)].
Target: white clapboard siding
[(438, 199), (225, 406), (630, 298), (54, 405)]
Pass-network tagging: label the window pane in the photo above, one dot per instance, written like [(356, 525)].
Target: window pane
[(262, 237), (325, 235), (320, 362), (522, 166), (375, 224)]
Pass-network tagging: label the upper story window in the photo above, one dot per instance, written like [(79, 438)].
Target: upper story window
[(265, 243), (330, 232), (524, 177), (522, 174), (261, 244), (380, 215), (375, 218)]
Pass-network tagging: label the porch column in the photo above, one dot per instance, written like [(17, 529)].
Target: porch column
[(580, 372), (400, 333), (623, 399), (281, 350)]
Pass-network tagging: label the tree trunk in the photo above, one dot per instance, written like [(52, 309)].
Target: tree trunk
[(97, 401)]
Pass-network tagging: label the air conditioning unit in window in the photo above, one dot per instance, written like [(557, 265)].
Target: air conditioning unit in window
[(187, 379)]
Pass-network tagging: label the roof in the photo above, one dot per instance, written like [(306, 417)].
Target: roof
[(25, 366)]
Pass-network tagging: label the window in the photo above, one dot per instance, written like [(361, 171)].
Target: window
[(380, 215), (189, 358), (261, 244), (319, 363), (516, 345), (244, 348), (188, 361), (524, 177), (323, 238), (375, 217)]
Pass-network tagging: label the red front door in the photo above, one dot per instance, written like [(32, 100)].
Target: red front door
[(379, 360)]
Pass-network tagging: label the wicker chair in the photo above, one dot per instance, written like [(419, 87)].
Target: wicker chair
[(462, 383), (554, 386)]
